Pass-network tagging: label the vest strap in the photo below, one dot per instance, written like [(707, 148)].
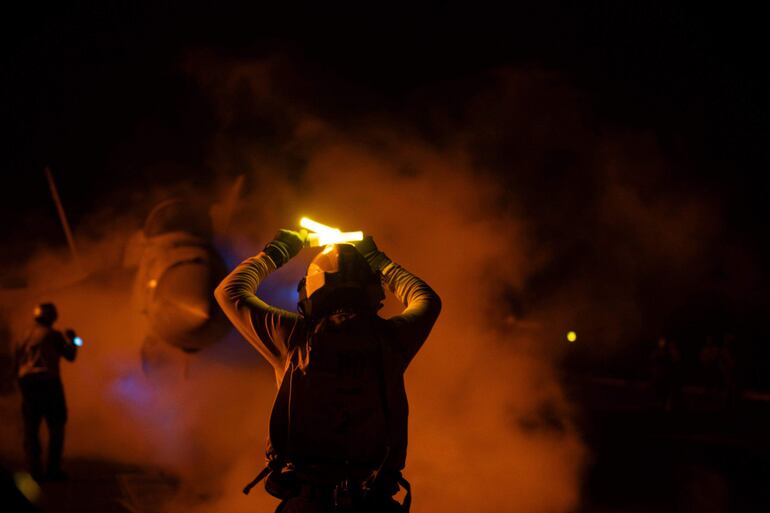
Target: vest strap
[(254, 482)]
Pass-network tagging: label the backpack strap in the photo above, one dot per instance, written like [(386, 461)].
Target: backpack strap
[(407, 504), (274, 464), (254, 482)]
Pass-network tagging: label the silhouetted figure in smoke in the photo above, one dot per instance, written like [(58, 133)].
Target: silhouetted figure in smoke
[(667, 379), (36, 361), (338, 429)]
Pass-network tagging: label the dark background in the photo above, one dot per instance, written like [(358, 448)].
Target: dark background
[(85, 87), (100, 94)]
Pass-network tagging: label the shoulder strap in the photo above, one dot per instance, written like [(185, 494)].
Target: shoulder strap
[(254, 482), (407, 504)]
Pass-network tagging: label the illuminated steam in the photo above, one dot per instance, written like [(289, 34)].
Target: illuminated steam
[(468, 206), (488, 423)]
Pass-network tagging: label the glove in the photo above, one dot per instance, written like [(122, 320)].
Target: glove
[(377, 259), (70, 335), (285, 245)]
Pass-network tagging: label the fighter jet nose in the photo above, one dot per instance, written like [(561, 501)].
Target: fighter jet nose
[(183, 304), (194, 311), (184, 291), (198, 312)]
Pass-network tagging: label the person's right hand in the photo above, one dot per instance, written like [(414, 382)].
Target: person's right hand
[(365, 246)]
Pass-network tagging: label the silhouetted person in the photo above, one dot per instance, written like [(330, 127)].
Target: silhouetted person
[(667, 379), (338, 429), (36, 360)]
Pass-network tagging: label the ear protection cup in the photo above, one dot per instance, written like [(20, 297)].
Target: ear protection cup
[(375, 293)]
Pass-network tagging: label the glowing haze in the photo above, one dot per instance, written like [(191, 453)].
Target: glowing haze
[(490, 429)]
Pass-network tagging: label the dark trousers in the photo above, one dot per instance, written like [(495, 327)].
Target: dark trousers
[(42, 397)]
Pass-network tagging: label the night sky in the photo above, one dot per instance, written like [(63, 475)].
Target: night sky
[(103, 96)]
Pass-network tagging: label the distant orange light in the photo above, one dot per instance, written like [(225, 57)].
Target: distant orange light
[(571, 336)]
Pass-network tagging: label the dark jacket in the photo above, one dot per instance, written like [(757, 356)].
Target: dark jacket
[(282, 336), (38, 353)]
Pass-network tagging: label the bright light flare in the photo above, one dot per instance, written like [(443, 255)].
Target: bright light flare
[(323, 239), (326, 235), (77, 341), (571, 336), (317, 227)]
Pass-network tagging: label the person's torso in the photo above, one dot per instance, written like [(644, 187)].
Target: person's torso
[(39, 353), (342, 402)]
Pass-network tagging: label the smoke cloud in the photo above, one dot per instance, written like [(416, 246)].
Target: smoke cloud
[(505, 197), (489, 425)]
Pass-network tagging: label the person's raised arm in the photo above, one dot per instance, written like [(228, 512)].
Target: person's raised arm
[(267, 328), (422, 304)]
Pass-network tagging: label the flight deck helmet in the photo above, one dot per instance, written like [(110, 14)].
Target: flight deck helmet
[(46, 314), (339, 278)]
